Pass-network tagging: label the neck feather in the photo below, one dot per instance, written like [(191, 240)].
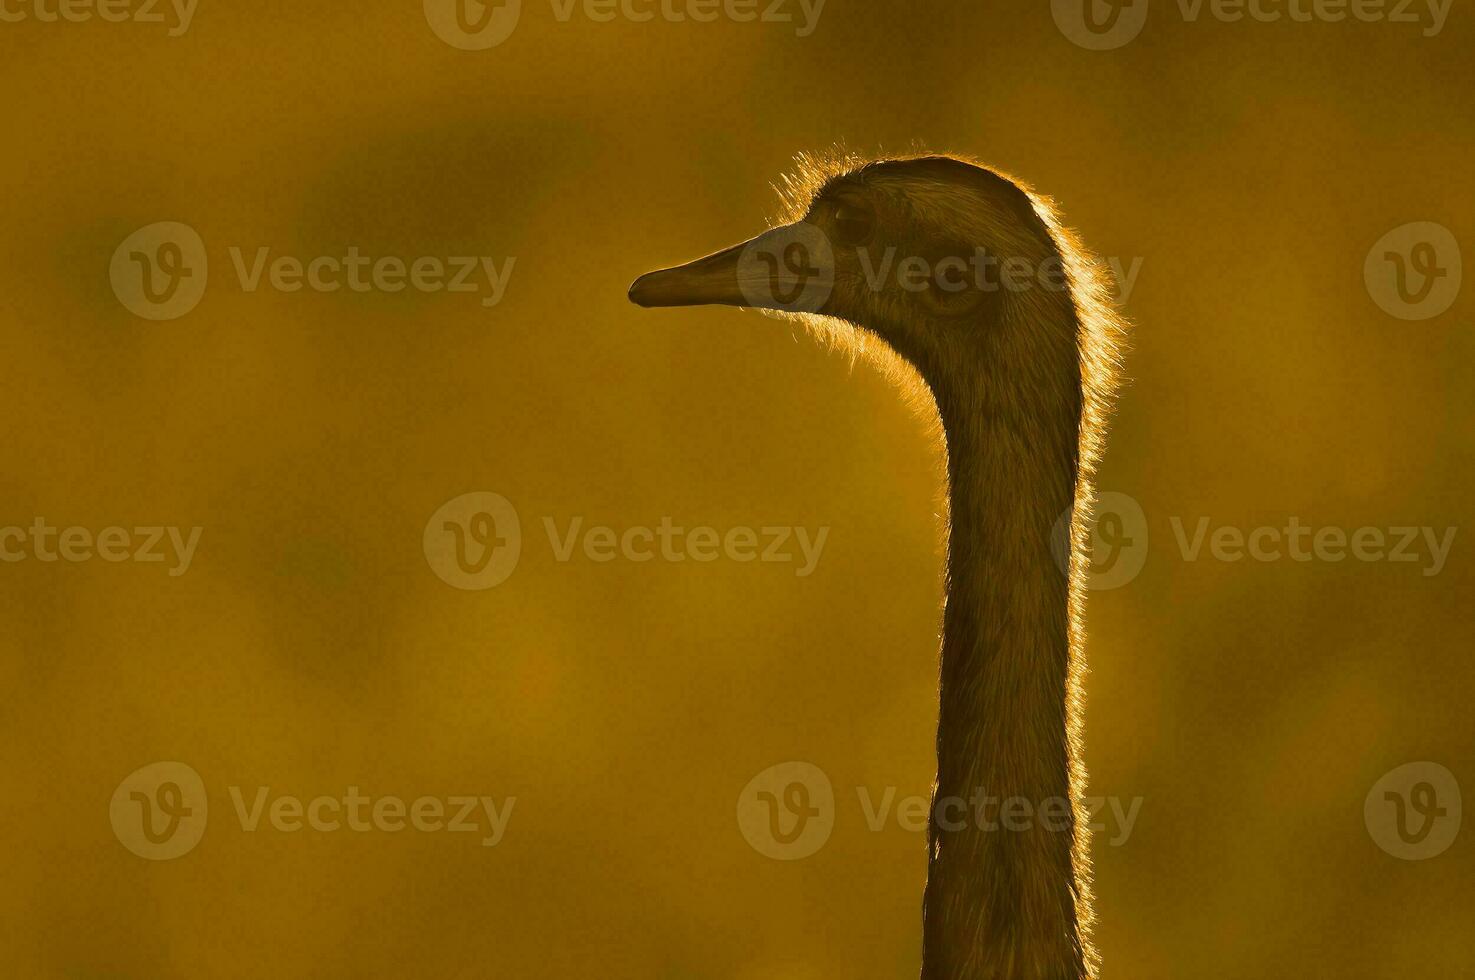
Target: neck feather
[(1008, 870)]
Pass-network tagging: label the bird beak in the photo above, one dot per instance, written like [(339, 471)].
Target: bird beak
[(786, 268)]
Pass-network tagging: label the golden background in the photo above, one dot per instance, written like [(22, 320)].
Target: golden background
[(625, 705)]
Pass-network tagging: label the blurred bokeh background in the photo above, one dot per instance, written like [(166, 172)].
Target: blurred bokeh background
[(310, 646)]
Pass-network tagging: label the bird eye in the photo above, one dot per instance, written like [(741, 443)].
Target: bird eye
[(854, 223)]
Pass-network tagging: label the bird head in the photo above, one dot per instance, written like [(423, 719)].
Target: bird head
[(940, 258)]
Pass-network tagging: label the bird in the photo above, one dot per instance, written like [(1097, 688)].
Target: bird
[(955, 277)]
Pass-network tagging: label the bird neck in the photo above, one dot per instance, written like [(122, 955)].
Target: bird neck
[(1006, 889)]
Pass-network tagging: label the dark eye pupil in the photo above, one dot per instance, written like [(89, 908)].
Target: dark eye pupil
[(853, 224)]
